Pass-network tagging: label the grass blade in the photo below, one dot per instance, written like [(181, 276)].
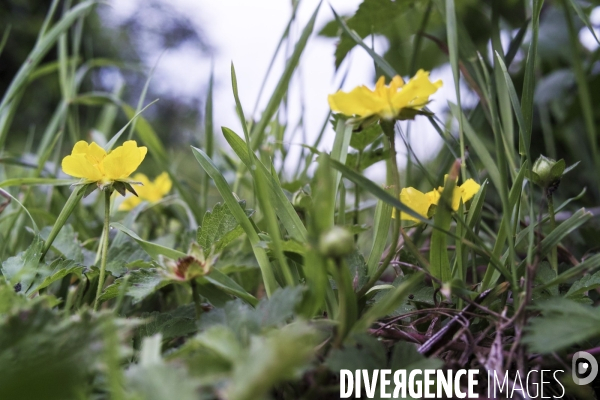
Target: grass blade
[(223, 187)]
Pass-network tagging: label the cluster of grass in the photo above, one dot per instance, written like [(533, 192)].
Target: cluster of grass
[(247, 283)]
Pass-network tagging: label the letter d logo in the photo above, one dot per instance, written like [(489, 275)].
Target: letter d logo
[(584, 368)]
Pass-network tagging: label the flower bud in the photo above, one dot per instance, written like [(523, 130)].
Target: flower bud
[(336, 242), (302, 200), (547, 172)]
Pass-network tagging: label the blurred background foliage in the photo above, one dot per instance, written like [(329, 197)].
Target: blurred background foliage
[(131, 43)]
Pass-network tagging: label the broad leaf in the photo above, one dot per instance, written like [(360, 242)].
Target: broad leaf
[(219, 228), (563, 323)]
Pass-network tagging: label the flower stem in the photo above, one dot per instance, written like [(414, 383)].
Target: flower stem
[(554, 252), (105, 230), (393, 180), (357, 195), (196, 297)]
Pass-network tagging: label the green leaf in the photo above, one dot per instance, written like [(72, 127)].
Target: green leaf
[(172, 324), (58, 354), (388, 303), (383, 213), (284, 209), (223, 341), (229, 286), (162, 381), (360, 351), (280, 307), (153, 379), (153, 249), (142, 283), (405, 356), (589, 264), (439, 261), (364, 137), (277, 357), (372, 17), (385, 67), (37, 182), (66, 243), (23, 267), (65, 213), (587, 283), (219, 228), (125, 255), (564, 323), (57, 270), (225, 191), (368, 158)]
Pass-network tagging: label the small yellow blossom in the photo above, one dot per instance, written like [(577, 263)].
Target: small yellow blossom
[(387, 102), (421, 202), (150, 191), (92, 163)]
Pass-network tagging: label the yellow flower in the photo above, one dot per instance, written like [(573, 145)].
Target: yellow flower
[(385, 101), (92, 163), (150, 191), (421, 202)]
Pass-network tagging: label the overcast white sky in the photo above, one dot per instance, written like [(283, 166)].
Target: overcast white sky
[(246, 33)]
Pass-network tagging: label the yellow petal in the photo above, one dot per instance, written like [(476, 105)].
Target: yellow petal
[(141, 178), (469, 189), (456, 197), (360, 101), (434, 196), (396, 83), (80, 167), (418, 201), (80, 147), (129, 203), (122, 161), (415, 93), (163, 183), (94, 153)]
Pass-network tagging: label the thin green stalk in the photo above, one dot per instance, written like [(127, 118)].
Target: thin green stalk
[(394, 179), (357, 195), (104, 253), (554, 253), (196, 297), (347, 310)]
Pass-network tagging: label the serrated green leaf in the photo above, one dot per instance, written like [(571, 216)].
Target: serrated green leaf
[(219, 228), (58, 354), (176, 323), (57, 270), (153, 249), (587, 283), (161, 381), (563, 323), (372, 16), (66, 243), (360, 351), (124, 256), (141, 284), (364, 137), (281, 307), (279, 356), (22, 267), (367, 158)]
